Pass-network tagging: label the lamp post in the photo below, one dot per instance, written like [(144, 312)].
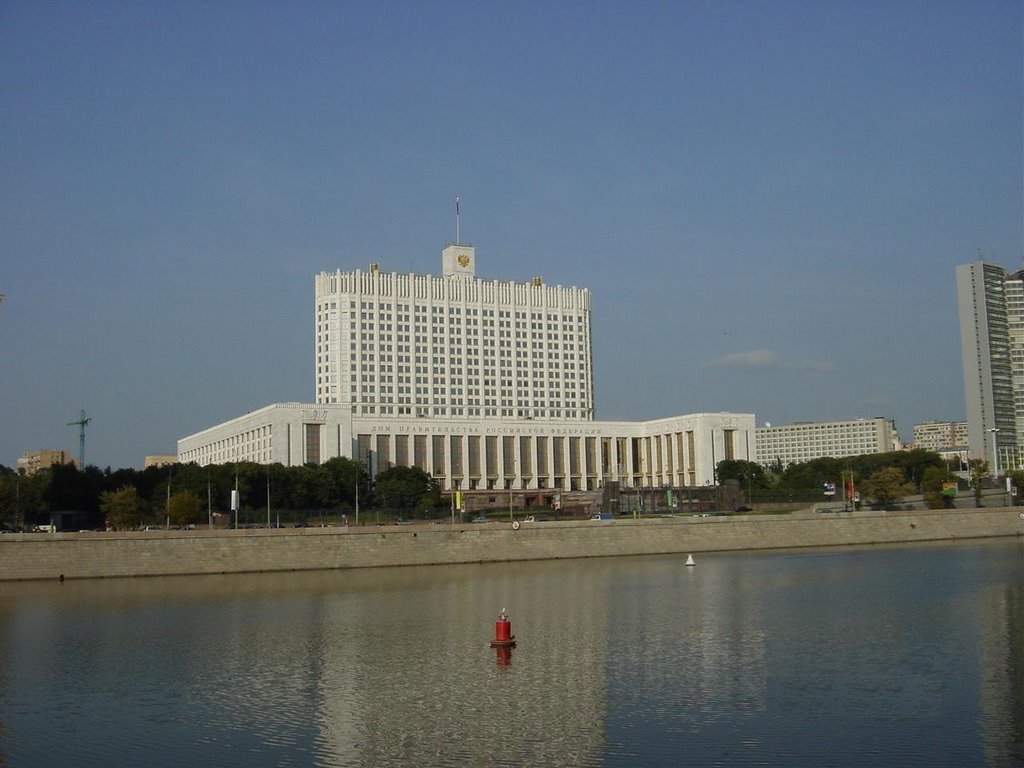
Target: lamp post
[(995, 451), (511, 517), (168, 509), (234, 495), (209, 501)]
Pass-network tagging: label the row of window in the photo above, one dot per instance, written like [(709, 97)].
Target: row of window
[(427, 411)]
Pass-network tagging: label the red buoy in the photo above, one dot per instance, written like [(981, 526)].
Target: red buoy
[(503, 637)]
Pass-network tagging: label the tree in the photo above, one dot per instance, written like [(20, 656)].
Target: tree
[(9, 498), (406, 488), (23, 498), (344, 474), (71, 489), (933, 485), (183, 508), (887, 485), (979, 471), (812, 474), (121, 508), (748, 474), (312, 488)]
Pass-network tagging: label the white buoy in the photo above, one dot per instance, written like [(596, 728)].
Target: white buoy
[(689, 560)]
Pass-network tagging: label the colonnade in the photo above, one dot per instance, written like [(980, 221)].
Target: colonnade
[(569, 462)]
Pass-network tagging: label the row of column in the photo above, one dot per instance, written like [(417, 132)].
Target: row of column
[(568, 462)]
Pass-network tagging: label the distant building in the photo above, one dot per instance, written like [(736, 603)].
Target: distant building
[(1014, 290), (806, 440), (33, 461), (941, 436), (991, 309), (159, 460)]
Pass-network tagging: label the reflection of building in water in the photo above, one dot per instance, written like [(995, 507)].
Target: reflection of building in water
[(424, 688), (693, 644), (1002, 689)]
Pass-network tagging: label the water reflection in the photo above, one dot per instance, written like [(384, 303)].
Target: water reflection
[(893, 656)]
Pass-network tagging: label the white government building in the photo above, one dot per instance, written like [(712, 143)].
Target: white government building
[(484, 384)]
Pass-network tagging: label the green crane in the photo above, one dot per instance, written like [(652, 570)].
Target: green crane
[(82, 421)]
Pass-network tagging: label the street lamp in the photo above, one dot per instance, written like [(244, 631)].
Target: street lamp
[(995, 450), (170, 474)]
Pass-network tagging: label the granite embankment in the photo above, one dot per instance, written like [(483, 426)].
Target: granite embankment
[(162, 553)]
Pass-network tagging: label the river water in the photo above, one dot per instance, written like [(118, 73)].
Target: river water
[(871, 656)]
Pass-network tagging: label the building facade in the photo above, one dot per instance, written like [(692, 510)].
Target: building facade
[(941, 436), (158, 460), (989, 391), (483, 454), (453, 347), (31, 462), (483, 384), (804, 441), (1014, 291)]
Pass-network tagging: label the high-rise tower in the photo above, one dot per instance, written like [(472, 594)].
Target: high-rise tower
[(986, 347)]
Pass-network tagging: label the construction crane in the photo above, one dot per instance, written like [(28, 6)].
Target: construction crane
[(82, 421)]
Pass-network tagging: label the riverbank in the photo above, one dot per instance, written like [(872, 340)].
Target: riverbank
[(164, 553)]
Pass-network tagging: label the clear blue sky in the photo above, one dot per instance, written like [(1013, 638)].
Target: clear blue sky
[(767, 199)]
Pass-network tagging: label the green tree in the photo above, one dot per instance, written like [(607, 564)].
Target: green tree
[(344, 475), (406, 488), (183, 508), (979, 471), (121, 508), (887, 485), (811, 475), (932, 483), (312, 488), (749, 474), (9, 501), (23, 498)]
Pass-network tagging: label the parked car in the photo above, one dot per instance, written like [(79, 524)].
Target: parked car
[(480, 519)]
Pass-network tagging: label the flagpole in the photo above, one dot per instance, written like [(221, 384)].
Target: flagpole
[(456, 219)]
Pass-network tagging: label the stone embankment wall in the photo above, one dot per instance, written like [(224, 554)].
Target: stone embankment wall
[(101, 555)]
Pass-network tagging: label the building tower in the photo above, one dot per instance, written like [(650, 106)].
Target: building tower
[(986, 348), (1014, 288), (404, 345)]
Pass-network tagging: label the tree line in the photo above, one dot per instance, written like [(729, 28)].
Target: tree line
[(880, 478), (184, 494)]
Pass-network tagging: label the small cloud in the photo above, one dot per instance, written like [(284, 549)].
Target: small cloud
[(816, 366), (755, 358)]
